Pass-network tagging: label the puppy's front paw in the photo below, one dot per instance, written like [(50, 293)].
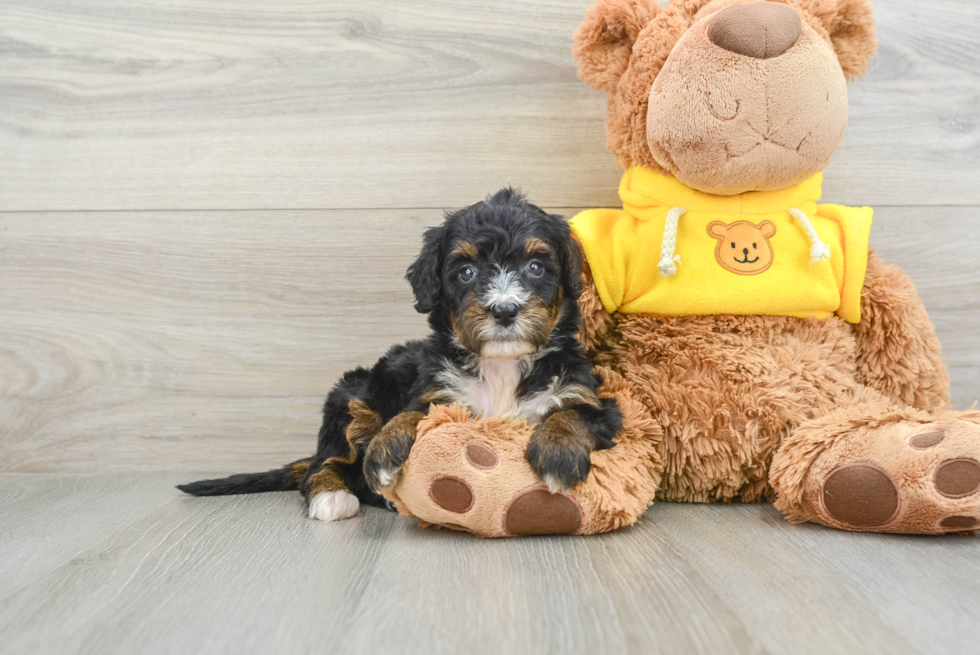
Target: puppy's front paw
[(333, 506), (388, 451), (382, 464), (559, 451)]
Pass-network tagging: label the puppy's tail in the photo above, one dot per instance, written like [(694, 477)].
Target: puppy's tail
[(286, 478)]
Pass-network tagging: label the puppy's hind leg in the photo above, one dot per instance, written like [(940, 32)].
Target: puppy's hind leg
[(327, 494)]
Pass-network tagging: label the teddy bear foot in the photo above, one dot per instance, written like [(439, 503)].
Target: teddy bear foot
[(476, 480), (532, 511), (470, 474), (887, 470)]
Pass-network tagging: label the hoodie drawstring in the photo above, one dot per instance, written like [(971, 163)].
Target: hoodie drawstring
[(818, 249), (668, 260)]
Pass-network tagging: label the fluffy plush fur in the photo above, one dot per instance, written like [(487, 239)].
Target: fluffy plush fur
[(840, 424), (499, 281), (729, 390), (623, 46)]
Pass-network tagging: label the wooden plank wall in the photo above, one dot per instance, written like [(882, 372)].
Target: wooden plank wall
[(206, 208)]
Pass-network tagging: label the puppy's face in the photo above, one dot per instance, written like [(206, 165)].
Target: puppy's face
[(503, 293), (502, 272)]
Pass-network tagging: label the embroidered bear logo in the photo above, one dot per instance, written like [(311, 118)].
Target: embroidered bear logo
[(743, 247)]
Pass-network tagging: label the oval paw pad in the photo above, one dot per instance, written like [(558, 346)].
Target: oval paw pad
[(959, 522), (539, 512), (861, 495), (958, 478), (926, 440), (452, 494), (480, 456)]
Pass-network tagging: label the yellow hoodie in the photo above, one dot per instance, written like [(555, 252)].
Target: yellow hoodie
[(675, 251)]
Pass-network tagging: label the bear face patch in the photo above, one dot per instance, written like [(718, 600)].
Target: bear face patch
[(743, 247)]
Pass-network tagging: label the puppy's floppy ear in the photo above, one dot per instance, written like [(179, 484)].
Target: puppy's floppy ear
[(424, 273), (604, 41), (851, 27), (570, 260)]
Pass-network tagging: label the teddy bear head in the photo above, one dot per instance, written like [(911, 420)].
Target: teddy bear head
[(727, 96)]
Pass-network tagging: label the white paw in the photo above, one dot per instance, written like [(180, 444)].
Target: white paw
[(333, 506), (553, 484), (387, 477)]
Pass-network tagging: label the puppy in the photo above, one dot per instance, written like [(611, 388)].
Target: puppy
[(499, 281)]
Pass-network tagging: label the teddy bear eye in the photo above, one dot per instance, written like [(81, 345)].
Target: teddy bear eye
[(753, 245), (733, 244)]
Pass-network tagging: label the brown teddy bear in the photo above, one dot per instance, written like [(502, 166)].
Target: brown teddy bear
[(758, 350)]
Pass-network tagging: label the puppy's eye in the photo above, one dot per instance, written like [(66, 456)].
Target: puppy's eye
[(467, 274), (535, 268)]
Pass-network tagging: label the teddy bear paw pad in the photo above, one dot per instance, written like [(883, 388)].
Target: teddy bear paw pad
[(481, 456), (927, 439), (958, 478), (452, 494), (959, 522), (905, 477), (537, 511), (861, 495)]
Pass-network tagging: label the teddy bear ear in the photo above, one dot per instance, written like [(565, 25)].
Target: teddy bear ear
[(717, 229), (604, 41), (851, 26)]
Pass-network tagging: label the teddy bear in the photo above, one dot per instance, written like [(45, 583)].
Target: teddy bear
[(759, 350)]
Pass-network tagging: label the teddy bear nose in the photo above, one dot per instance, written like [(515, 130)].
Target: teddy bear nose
[(761, 29)]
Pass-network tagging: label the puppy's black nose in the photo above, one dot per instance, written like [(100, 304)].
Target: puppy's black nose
[(504, 315)]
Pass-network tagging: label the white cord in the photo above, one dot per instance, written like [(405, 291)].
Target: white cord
[(818, 249), (668, 260)]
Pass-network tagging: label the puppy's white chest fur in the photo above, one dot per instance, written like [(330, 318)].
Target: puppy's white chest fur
[(491, 390)]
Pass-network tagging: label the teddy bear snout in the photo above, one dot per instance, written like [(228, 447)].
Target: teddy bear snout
[(762, 30)]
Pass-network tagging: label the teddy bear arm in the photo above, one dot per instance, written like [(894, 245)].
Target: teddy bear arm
[(597, 323), (898, 353)]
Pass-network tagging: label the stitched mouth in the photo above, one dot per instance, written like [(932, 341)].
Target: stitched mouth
[(764, 139), (746, 260)]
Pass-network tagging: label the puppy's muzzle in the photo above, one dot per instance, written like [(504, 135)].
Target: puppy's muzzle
[(505, 314)]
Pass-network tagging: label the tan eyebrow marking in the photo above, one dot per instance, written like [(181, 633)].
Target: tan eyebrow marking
[(535, 245), (465, 248)]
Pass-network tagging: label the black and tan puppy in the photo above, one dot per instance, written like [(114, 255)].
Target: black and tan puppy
[(499, 281)]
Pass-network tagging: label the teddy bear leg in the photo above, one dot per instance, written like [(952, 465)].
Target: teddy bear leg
[(875, 467), (898, 353), (471, 474)]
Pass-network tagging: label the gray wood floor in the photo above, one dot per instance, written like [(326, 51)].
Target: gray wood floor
[(124, 564), (206, 209)]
